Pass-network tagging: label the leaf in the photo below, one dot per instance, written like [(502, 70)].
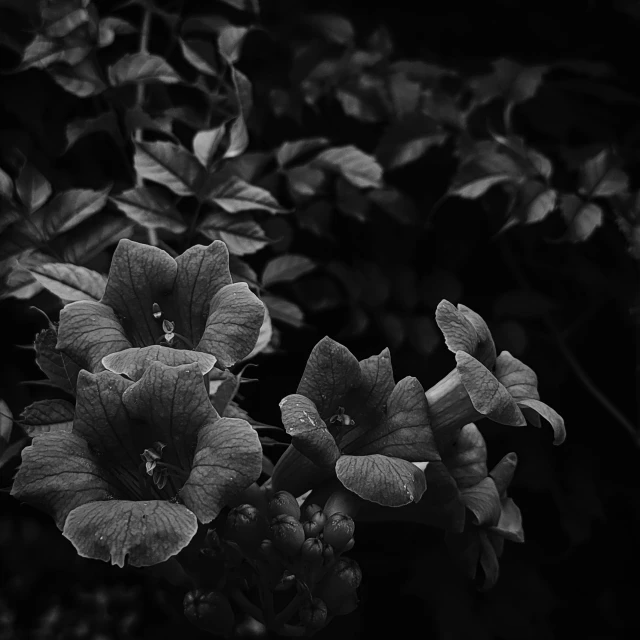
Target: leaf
[(67, 23), (155, 531), (264, 337), (6, 190), (70, 282), (230, 40), (84, 242), (238, 138), (6, 426), (109, 27), (284, 310), (150, 209), (359, 168), (293, 151), (236, 195), (239, 232), (200, 55), (42, 52), (472, 187), (50, 360), (351, 201), (82, 79), (170, 165), (135, 361), (48, 415), (308, 431), (396, 204), (286, 268), (304, 182), (598, 178), (333, 27), (141, 67), (390, 482), (68, 209), (582, 217), (81, 127), (136, 118), (206, 143), (32, 187), (509, 80)]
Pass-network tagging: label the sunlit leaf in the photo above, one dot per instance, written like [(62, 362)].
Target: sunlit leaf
[(81, 79), (141, 67), (70, 282), (206, 144), (111, 26), (150, 209), (238, 138), (230, 41), (236, 195), (239, 232), (42, 52)]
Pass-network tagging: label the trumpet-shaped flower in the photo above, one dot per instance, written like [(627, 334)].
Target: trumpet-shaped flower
[(349, 420), (155, 307), (482, 385), (143, 463)]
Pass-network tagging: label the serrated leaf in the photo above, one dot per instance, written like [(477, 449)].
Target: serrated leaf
[(239, 232), (82, 127), (32, 187), (150, 209), (68, 209), (69, 281), (170, 165), (206, 143), (291, 151), (286, 268), (284, 310), (236, 195), (359, 168), (142, 67)]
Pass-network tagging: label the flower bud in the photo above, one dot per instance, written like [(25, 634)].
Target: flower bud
[(340, 584), (283, 503), (338, 531), (245, 526), (287, 534), (209, 610), (313, 615), (309, 511), (314, 526), (312, 552)]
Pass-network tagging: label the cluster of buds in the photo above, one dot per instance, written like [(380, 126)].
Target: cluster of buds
[(289, 561)]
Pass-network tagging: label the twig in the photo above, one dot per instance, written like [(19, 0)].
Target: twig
[(571, 360), (152, 233)]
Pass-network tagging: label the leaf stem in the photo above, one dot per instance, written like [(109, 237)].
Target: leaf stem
[(152, 232)]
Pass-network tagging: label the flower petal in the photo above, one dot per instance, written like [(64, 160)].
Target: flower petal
[(488, 562), (202, 272), (467, 460), (332, 371), (133, 362), (556, 421), (465, 549), (510, 524), (390, 482), (405, 433), (174, 403), (483, 501), (487, 395), (296, 474), (464, 330), (139, 276), (502, 473), (517, 378), (308, 430), (233, 325), (88, 331), (140, 534), (58, 473), (228, 459)]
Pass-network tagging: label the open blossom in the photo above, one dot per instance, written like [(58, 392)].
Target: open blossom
[(483, 385), (349, 420), (144, 462), (154, 307)]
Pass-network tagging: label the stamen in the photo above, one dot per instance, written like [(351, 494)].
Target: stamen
[(157, 312)]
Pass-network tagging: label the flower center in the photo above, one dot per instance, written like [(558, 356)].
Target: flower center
[(158, 470), (169, 336), (342, 418)]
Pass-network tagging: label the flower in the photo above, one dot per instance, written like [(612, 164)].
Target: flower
[(482, 385), (349, 420), (144, 462), (491, 516), (157, 308)]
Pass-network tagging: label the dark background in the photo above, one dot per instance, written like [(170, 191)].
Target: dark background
[(577, 572)]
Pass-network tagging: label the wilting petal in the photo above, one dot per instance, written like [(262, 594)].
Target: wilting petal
[(332, 371), (488, 561), (532, 407), (58, 473), (296, 474), (483, 501), (228, 459), (202, 272), (140, 534), (467, 460), (464, 330), (488, 396), (175, 404), (502, 473), (517, 378), (139, 276), (134, 362), (308, 430), (390, 482), (88, 331), (233, 325), (510, 524), (405, 433)]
